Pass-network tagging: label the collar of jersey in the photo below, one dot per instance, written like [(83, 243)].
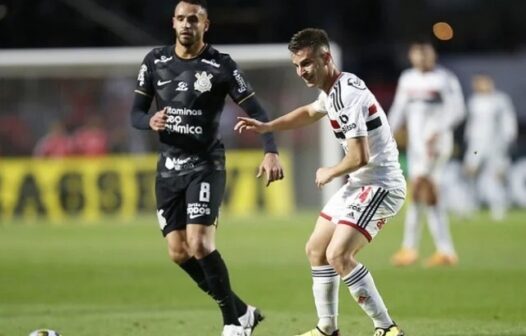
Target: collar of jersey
[(335, 81), (173, 53)]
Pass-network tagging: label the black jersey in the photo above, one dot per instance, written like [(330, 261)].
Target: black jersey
[(194, 92)]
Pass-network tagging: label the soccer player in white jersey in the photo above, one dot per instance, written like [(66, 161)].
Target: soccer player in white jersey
[(375, 189), (490, 130), (429, 101)]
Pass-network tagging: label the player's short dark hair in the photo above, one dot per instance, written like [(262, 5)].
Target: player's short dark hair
[(309, 38), (201, 3)]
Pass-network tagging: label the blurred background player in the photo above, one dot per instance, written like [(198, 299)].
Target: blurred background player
[(375, 188), (429, 102), (189, 82), (491, 129)]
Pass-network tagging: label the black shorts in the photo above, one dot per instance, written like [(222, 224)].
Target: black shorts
[(193, 198)]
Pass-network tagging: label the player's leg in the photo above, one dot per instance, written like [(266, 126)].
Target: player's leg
[(438, 224), (325, 281), (203, 198), (408, 253), (351, 235), (493, 182)]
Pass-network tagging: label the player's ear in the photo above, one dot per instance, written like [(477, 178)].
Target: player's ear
[(327, 57), (207, 25)]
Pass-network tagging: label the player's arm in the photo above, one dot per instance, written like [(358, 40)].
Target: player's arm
[(144, 92), (454, 106), (396, 115), (509, 120), (357, 156), (300, 117), (270, 166)]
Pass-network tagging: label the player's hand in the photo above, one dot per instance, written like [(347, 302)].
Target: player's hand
[(323, 176), (158, 120), (271, 167), (251, 124)]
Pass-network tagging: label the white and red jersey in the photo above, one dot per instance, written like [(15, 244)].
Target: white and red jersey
[(353, 111), (431, 104), (490, 129)]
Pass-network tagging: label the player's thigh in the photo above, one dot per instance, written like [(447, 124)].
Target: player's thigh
[(319, 239), (346, 242), (171, 203)]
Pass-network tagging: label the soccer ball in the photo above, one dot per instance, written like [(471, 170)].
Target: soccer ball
[(44, 332)]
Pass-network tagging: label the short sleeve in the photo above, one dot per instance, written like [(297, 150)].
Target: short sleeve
[(319, 104), (238, 87), (352, 121), (145, 78)]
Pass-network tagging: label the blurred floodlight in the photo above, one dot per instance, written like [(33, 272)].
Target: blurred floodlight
[(443, 31)]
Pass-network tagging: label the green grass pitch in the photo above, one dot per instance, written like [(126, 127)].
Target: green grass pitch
[(113, 278)]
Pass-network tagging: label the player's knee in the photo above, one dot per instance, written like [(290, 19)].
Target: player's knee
[(336, 258), (199, 247), (178, 255), (315, 253)]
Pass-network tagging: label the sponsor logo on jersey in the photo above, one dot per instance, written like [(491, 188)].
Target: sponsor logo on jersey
[(182, 86), (347, 128), (162, 83), (242, 85), (163, 59), (195, 210), (183, 111), (174, 125), (142, 70), (203, 83), (211, 62)]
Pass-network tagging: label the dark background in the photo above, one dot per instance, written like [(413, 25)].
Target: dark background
[(370, 32)]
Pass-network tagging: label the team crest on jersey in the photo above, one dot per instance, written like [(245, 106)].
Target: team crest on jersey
[(203, 83)]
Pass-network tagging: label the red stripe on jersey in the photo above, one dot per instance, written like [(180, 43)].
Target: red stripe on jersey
[(335, 124), (372, 109)]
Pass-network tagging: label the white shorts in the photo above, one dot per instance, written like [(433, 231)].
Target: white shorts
[(364, 208), (421, 164)]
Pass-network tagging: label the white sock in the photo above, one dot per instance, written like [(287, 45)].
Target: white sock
[(325, 287), (363, 290), (412, 226), (439, 228)]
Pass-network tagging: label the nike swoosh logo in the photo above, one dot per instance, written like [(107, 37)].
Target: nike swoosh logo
[(195, 216), (161, 83)]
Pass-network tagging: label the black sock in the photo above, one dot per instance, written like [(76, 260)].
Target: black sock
[(195, 271), (216, 275)]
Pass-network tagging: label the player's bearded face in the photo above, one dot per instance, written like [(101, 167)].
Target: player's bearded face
[(190, 23)]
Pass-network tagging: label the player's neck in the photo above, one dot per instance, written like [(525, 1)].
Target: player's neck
[(331, 78), (189, 52)]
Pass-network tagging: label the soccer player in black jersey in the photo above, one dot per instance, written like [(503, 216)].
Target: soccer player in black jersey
[(189, 82)]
